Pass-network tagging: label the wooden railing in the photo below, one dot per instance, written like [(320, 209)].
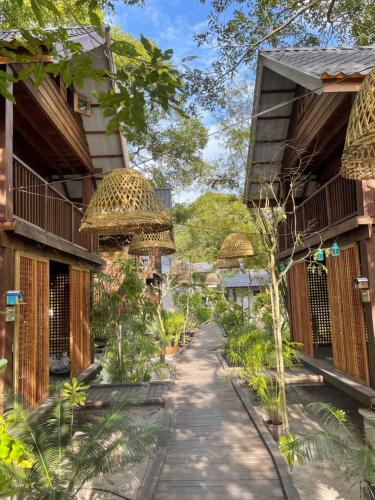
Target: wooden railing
[(41, 205), (334, 202)]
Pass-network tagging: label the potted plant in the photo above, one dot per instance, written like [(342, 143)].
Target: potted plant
[(174, 327), (267, 391)]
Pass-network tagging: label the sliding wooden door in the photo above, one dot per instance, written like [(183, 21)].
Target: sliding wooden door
[(347, 316), (80, 341), (31, 346), (299, 307)]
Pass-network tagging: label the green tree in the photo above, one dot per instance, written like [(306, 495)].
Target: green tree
[(238, 28), (146, 80), (175, 148), (202, 226)]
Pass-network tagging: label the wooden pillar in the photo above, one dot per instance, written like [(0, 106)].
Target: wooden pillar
[(6, 156), (87, 191), (367, 254), (6, 214)]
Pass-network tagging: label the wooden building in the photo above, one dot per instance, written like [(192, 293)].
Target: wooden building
[(243, 287), (311, 93), (51, 136)]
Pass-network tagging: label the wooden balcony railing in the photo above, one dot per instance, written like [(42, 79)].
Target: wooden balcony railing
[(331, 204), (40, 205)]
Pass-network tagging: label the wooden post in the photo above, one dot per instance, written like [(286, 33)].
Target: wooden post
[(367, 253), (6, 156), (6, 214), (87, 191)]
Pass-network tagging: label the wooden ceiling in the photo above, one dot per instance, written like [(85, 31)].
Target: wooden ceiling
[(38, 141)]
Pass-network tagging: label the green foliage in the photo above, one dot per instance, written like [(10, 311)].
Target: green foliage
[(3, 364), (75, 392), (267, 390), (12, 450), (202, 226), (229, 315), (146, 77), (174, 324), (339, 442), (59, 463), (123, 313), (239, 28), (193, 306)]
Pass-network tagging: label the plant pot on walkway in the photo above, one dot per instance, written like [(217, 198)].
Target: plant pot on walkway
[(274, 428), (172, 349)]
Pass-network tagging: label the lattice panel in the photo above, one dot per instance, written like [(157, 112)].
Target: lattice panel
[(300, 307), (347, 317), (32, 330), (80, 342), (59, 319), (319, 304)]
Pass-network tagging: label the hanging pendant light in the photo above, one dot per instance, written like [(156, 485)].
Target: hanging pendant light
[(212, 280), (236, 246), (124, 203), (228, 264), (152, 244), (358, 159)]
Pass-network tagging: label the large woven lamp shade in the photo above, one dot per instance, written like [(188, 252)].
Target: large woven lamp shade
[(358, 159), (228, 264), (124, 203), (236, 246), (212, 280), (152, 243)]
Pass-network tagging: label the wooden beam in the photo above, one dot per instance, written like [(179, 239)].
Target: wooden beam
[(38, 235), (28, 59), (99, 132), (107, 156)]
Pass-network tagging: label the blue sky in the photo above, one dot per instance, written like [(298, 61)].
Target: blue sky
[(173, 24)]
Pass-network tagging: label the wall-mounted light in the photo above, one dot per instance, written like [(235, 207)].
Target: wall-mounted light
[(361, 283)]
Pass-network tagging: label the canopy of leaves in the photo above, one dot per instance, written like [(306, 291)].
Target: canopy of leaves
[(201, 227), (238, 28), (146, 79)]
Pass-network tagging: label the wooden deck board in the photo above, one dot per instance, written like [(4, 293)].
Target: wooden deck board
[(215, 451)]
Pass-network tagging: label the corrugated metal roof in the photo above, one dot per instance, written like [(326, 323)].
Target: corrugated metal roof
[(331, 61), (164, 195), (201, 267), (73, 32), (248, 279)]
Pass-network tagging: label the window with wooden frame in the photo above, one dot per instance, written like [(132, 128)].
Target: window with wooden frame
[(82, 104)]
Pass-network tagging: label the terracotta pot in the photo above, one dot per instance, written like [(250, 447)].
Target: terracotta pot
[(273, 428), (172, 349)]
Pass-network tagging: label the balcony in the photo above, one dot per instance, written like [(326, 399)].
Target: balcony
[(333, 203), (43, 208)]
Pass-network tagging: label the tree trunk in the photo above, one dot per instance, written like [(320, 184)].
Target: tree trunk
[(277, 325)]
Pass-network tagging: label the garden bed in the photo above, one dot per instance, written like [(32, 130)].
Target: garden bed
[(126, 481)]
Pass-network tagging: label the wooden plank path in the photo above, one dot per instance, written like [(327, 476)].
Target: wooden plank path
[(215, 452), (137, 393)]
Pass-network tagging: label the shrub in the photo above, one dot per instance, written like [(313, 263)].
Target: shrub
[(174, 324)]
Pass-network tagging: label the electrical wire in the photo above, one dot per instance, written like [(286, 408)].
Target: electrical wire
[(222, 129)]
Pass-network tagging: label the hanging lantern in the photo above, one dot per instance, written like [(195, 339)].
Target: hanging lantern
[(236, 246), (282, 266), (212, 280), (319, 255), (228, 264), (124, 203), (335, 250), (152, 244), (358, 159)]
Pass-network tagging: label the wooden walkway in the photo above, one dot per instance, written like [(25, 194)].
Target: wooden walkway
[(215, 452)]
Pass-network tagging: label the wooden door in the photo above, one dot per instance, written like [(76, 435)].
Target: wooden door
[(299, 305), (31, 346), (347, 316), (80, 341)]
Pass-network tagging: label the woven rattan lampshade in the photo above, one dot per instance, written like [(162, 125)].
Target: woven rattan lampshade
[(212, 279), (228, 264), (152, 243), (358, 159), (236, 246), (124, 203)]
